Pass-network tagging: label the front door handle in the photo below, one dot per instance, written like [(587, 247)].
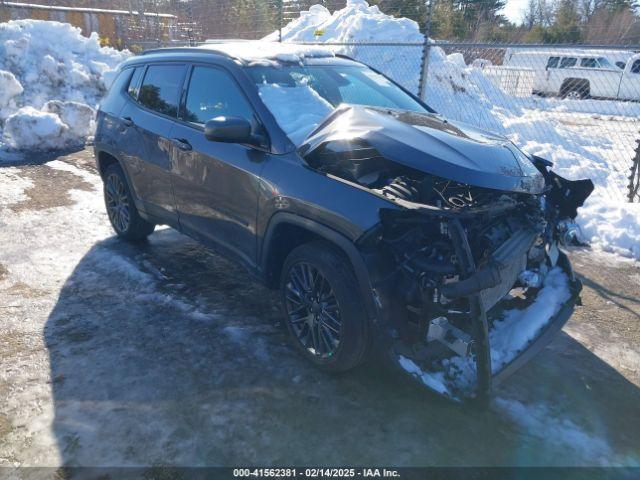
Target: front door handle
[(182, 144), (127, 121)]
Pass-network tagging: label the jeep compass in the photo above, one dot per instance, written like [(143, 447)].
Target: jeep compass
[(388, 229)]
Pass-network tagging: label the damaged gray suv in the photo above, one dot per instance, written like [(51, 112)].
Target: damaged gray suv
[(388, 229)]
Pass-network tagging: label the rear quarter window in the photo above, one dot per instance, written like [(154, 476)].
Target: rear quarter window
[(134, 84), (114, 100)]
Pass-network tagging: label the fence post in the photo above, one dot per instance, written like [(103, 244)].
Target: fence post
[(426, 48), (634, 178), (280, 18)]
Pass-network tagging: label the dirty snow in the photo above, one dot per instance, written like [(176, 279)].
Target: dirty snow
[(51, 80), (575, 134)]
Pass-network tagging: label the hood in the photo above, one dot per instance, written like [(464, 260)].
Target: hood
[(427, 143)]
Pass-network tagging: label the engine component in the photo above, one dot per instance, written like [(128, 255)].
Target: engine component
[(452, 337), (402, 188)]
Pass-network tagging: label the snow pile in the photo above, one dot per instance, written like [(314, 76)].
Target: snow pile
[(51, 79), (464, 93), (359, 22)]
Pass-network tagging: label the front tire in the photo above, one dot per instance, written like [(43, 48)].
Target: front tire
[(122, 211), (323, 307)]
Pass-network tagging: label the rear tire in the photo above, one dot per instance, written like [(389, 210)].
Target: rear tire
[(121, 209), (575, 89), (323, 308)]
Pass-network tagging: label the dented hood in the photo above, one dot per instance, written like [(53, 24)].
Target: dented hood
[(428, 143)]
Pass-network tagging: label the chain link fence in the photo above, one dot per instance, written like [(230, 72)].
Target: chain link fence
[(576, 103)]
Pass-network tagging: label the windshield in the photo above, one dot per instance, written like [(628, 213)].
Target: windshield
[(301, 96)]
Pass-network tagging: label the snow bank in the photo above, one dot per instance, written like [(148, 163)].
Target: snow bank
[(464, 93), (51, 80)]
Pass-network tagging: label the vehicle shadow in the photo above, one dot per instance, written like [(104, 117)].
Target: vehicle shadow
[(165, 354)]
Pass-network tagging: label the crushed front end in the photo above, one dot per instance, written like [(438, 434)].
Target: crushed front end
[(464, 264), (470, 281)]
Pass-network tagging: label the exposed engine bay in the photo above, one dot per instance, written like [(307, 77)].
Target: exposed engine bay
[(451, 254)]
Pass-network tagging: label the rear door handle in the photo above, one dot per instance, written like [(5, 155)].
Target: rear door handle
[(182, 144), (127, 121)]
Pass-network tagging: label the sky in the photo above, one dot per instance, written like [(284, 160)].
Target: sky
[(514, 10)]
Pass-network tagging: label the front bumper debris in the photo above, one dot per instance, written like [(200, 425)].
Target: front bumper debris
[(476, 370)]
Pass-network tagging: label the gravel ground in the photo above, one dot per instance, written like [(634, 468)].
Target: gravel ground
[(164, 353)]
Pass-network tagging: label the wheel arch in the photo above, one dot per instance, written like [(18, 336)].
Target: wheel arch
[(104, 160), (287, 231), (575, 84)]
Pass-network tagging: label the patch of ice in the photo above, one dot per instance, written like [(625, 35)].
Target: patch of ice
[(433, 380), (539, 421), (13, 187)]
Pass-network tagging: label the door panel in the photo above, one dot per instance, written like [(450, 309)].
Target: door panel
[(149, 167), (216, 183), (150, 122), (216, 187), (630, 83)]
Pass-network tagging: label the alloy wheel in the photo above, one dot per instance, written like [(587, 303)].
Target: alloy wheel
[(118, 207), (312, 310), (574, 95)]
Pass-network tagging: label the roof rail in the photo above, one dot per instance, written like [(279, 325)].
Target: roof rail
[(226, 40), (181, 50)]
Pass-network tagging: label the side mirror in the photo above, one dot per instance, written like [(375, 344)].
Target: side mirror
[(228, 130)]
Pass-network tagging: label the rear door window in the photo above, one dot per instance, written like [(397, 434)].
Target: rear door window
[(212, 93), (568, 62), (635, 68), (589, 63), (553, 62), (161, 88)]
